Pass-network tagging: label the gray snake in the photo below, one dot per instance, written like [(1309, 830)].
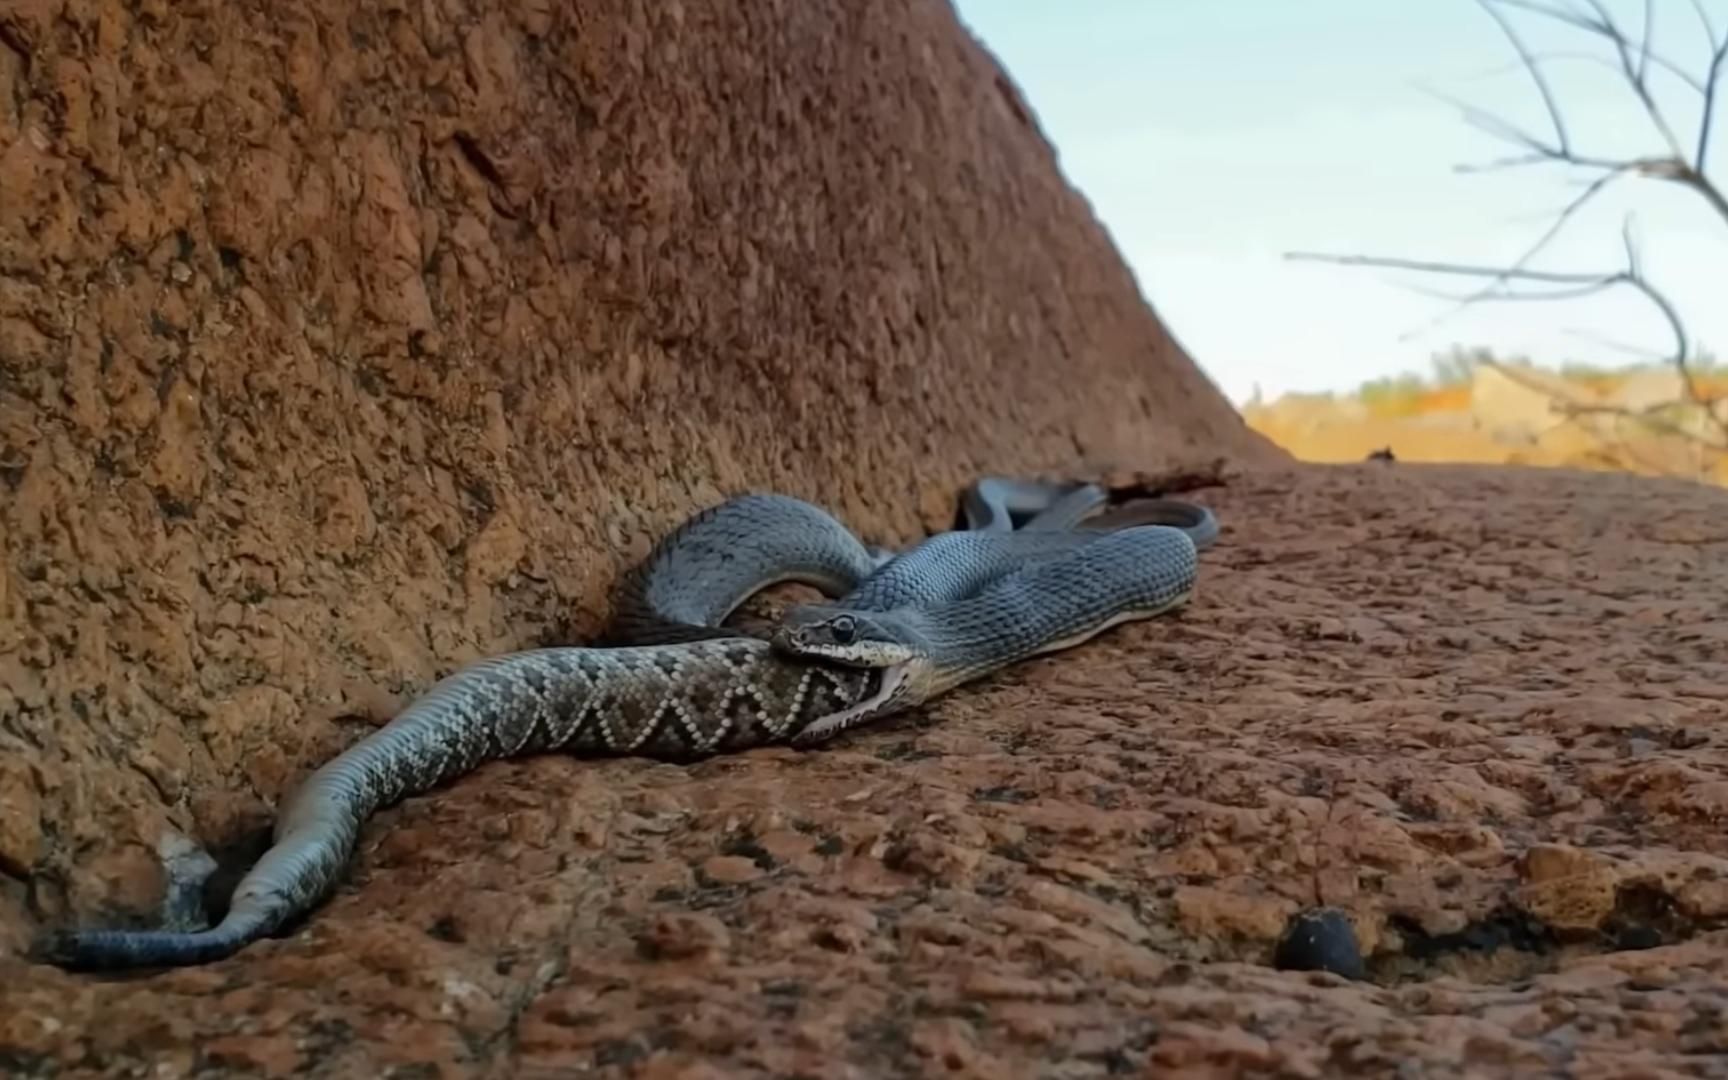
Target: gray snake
[(676, 685)]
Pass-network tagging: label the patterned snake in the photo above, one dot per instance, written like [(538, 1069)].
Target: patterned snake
[(677, 685)]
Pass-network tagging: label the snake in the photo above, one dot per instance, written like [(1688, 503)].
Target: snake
[(1029, 594), (668, 680)]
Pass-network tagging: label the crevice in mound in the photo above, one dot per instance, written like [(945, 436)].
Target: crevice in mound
[(234, 859), (1505, 928), (1646, 916), (1510, 944), (1505, 946)]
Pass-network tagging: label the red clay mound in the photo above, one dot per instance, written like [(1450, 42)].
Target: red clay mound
[(341, 343)]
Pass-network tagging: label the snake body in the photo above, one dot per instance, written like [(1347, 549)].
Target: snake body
[(695, 688), (697, 576), (1054, 600)]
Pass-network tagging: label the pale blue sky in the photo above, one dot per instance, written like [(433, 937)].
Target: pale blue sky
[(1211, 136)]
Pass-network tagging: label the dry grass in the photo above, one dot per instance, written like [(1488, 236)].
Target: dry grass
[(1437, 425)]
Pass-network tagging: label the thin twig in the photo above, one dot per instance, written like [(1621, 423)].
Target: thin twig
[(1573, 408), (1712, 80), (1597, 28), (1660, 62), (1614, 344), (1427, 266), (1558, 14), (1704, 17), (1535, 69), (1623, 47), (1593, 189), (1649, 33), (1634, 71), (1569, 286)]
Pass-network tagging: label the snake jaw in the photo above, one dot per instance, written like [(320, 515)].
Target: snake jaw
[(855, 639), (895, 682)]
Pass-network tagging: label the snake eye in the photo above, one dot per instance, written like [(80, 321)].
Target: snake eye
[(843, 630)]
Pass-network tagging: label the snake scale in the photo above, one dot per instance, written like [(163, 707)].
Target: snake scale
[(673, 683)]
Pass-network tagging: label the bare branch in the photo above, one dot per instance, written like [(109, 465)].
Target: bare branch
[(1634, 64), (1558, 14), (1704, 17), (1568, 286), (1535, 69), (1580, 284), (1594, 188), (1573, 409), (1504, 293), (1501, 128), (1660, 62), (1506, 163), (1634, 276), (1635, 76), (1673, 169), (1618, 346), (1712, 80), (1598, 28), (1650, 418), (1634, 61), (1649, 33), (1427, 266)]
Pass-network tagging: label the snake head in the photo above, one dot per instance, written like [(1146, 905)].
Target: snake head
[(854, 638), (875, 642), (885, 642)]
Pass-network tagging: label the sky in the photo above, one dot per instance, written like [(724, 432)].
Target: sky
[(1214, 136)]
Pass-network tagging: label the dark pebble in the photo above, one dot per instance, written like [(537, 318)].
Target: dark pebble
[(1320, 940)]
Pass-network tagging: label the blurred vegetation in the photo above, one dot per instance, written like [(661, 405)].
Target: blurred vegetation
[(1435, 416), (1411, 393)]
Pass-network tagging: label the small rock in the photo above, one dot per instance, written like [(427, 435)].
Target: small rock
[(1320, 940), (1210, 912), (949, 1044), (1551, 862), (730, 870), (1568, 888), (20, 817), (684, 936)]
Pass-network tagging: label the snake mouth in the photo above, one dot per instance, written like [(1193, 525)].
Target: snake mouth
[(889, 685)]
